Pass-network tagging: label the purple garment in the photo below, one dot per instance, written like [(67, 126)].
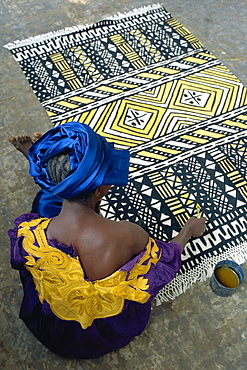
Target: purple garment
[(67, 338)]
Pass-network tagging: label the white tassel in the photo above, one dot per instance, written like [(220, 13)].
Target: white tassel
[(45, 36), (69, 30), (136, 11), (201, 272)]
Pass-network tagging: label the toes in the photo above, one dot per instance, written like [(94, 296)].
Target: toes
[(37, 134), (22, 138), (13, 141), (27, 138)]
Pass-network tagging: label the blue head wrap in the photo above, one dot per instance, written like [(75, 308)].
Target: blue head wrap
[(93, 161)]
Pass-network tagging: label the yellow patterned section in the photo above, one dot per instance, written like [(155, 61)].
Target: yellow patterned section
[(81, 99), (223, 73), (195, 136), (195, 60), (167, 150), (67, 104), (128, 51), (180, 119), (87, 63), (109, 89), (158, 94), (244, 97), (68, 74), (234, 175), (208, 133), (168, 70), (194, 139), (170, 197), (237, 124), (163, 108), (150, 76), (181, 30), (59, 279), (152, 155), (207, 54), (155, 54)]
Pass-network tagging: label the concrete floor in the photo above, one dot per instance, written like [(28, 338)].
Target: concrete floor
[(198, 330)]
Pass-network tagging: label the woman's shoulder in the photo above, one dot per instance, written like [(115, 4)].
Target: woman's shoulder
[(131, 235)]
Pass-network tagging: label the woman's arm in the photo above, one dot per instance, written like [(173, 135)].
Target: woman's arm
[(139, 238), (193, 227)]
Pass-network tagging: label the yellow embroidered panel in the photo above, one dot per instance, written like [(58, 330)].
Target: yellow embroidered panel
[(59, 279)]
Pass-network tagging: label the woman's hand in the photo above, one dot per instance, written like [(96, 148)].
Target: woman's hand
[(196, 226), (193, 227)]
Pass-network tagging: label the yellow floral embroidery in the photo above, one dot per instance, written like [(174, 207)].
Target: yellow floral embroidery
[(59, 279)]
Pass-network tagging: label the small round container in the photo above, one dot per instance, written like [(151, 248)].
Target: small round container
[(227, 277)]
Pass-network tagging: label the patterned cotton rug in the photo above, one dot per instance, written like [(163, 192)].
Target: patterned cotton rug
[(145, 82)]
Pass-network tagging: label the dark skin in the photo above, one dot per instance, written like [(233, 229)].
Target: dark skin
[(103, 246)]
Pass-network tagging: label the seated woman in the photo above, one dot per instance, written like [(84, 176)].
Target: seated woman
[(88, 281)]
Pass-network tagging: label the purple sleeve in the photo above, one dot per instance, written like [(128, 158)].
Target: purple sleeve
[(17, 252), (167, 267)]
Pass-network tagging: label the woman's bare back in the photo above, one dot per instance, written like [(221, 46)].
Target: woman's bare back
[(102, 245)]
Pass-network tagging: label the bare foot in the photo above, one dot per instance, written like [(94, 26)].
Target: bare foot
[(36, 136), (24, 142)]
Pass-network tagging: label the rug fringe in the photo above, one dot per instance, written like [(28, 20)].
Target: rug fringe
[(86, 27), (201, 272), (136, 11), (46, 36)]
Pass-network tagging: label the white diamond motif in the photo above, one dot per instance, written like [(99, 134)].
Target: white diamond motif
[(137, 118), (195, 98)]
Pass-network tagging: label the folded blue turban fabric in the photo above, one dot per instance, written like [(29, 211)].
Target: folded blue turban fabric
[(93, 161)]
